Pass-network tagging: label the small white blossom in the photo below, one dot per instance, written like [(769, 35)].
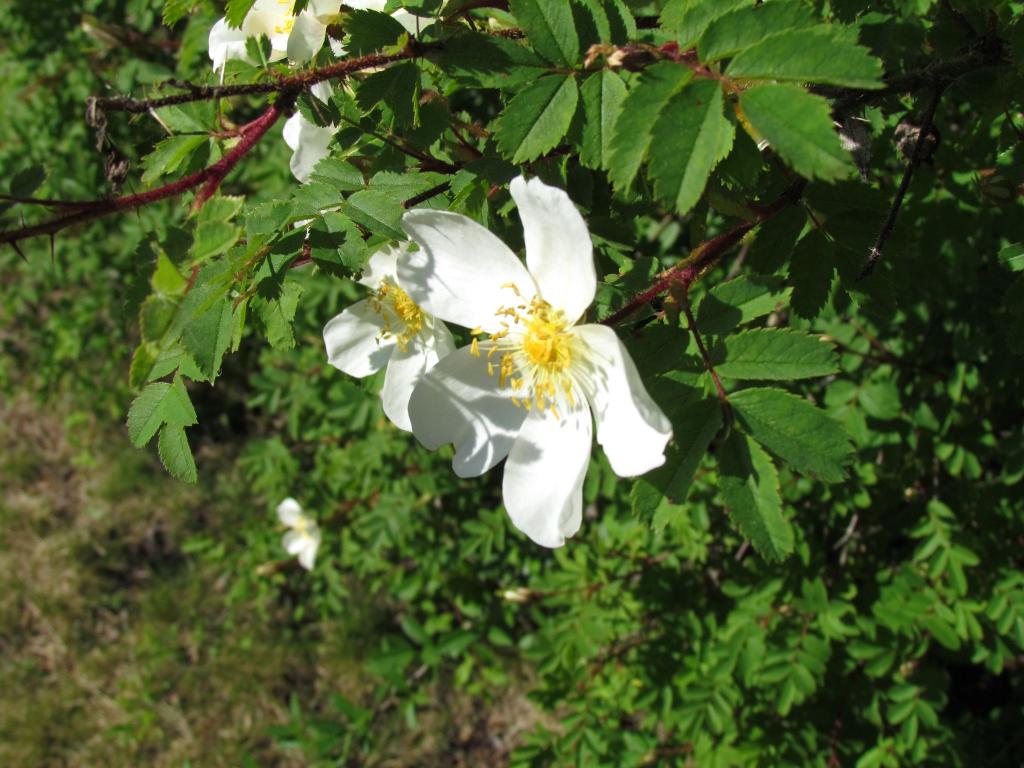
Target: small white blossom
[(304, 537), (532, 381), (387, 329)]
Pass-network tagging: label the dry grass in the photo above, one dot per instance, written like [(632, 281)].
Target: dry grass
[(117, 649)]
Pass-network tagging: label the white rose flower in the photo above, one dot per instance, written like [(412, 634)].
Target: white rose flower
[(298, 38), (304, 537), (309, 142), (387, 329), (530, 388)]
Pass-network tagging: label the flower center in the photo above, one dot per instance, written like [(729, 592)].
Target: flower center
[(287, 23), (403, 319), (534, 358)]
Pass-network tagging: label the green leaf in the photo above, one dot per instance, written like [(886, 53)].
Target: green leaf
[(693, 428), (739, 301), (773, 354), (277, 315), (810, 271), (602, 94), (378, 212), (176, 454), (795, 431), (822, 54), (370, 31), (750, 490), (640, 110), (396, 87), (207, 337), (537, 118), (688, 19), (798, 125), (1012, 257), (485, 61), (236, 11), (550, 28), (689, 139), (176, 10), (732, 32), (169, 155), (158, 404)]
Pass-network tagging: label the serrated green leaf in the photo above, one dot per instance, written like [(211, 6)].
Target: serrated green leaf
[(744, 27), (794, 430), (236, 11), (750, 490), (485, 61), (176, 454), (689, 139), (169, 155), (370, 31), (537, 118), (176, 10), (378, 212), (639, 112), (798, 125), (739, 301), (822, 54), (157, 404), (550, 28), (773, 354), (207, 336), (277, 314), (602, 95), (810, 271), (693, 428), (687, 19), (397, 88)]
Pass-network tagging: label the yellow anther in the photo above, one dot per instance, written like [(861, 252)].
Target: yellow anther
[(394, 304), (474, 348)]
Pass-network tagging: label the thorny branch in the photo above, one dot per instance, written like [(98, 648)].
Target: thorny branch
[(207, 181), (923, 136)]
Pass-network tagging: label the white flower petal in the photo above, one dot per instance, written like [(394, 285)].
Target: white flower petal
[(307, 557), (306, 38), (543, 483), (293, 542), (289, 511), (558, 248), (309, 144), (383, 264), (631, 427), (413, 24), (270, 19), (323, 9), (354, 343), (226, 44), (457, 402), (407, 367), (366, 5), (461, 271), (322, 91)]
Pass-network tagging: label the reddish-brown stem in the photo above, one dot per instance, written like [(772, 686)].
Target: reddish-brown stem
[(704, 256), (207, 180), (709, 366)]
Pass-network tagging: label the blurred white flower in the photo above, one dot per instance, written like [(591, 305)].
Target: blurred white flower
[(387, 329), (304, 537), (533, 379)]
